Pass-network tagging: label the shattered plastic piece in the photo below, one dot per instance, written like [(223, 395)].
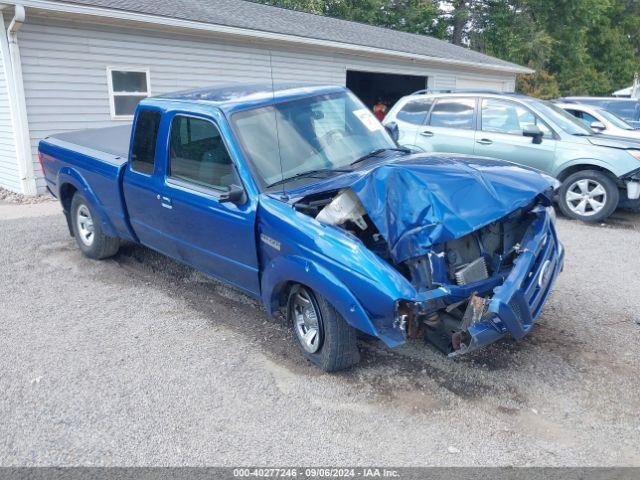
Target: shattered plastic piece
[(475, 311), (344, 207)]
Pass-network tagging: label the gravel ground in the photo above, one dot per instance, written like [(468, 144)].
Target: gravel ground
[(7, 196), (140, 361)]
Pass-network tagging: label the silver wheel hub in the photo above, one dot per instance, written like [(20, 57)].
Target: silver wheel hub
[(84, 222), (586, 197), (306, 321)]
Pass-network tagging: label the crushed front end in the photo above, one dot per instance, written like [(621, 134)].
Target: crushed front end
[(486, 285), (475, 240)]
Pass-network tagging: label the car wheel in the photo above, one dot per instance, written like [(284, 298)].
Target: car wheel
[(588, 195), (88, 231), (324, 337)]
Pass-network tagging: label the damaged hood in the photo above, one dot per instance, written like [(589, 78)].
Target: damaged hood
[(424, 199)]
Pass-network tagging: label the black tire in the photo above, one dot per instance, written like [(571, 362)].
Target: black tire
[(99, 246), (593, 177), (337, 346)]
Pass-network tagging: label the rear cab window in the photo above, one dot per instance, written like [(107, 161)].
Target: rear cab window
[(198, 154), (453, 113), (145, 138)]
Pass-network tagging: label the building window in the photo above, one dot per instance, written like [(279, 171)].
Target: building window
[(127, 87)]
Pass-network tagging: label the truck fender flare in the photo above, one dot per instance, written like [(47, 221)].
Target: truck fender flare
[(71, 176), (285, 270)]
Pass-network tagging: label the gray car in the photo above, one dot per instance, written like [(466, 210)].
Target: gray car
[(598, 173)]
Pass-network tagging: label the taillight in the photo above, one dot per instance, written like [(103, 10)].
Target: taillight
[(41, 159)]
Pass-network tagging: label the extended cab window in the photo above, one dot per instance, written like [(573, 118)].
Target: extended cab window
[(198, 154), (453, 113), (143, 151), (415, 111), (502, 116)]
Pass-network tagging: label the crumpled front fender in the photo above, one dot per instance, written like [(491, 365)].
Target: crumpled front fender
[(283, 270)]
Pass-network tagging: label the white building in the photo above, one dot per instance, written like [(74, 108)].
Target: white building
[(69, 65)]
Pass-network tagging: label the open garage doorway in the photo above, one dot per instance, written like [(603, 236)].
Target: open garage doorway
[(372, 87)]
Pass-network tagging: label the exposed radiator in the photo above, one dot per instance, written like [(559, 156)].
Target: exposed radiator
[(472, 272)]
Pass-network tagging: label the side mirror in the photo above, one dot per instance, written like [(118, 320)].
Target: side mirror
[(394, 131), (234, 194), (598, 126), (534, 132)]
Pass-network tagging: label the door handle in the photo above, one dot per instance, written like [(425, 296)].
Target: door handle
[(165, 202), (485, 141), (427, 133)]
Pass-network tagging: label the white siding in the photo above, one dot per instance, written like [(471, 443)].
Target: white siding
[(9, 173), (64, 68), (481, 83)]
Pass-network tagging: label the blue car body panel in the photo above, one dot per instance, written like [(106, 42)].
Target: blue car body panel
[(264, 243)]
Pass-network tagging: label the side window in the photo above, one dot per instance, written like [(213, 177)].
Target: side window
[(588, 119), (501, 116), (415, 111), (145, 137), (453, 113), (575, 113), (198, 154)]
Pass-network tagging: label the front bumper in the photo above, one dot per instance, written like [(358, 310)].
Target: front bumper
[(518, 301)]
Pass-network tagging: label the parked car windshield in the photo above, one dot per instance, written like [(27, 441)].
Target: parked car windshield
[(614, 119), (627, 109), (320, 133), (563, 119)]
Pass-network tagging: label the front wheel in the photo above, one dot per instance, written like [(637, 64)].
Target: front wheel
[(588, 195), (324, 337), (88, 231)]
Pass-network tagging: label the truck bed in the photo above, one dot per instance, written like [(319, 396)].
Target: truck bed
[(94, 158), (111, 140)]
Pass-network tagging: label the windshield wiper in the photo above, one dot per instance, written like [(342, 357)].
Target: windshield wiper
[(377, 152), (310, 173)]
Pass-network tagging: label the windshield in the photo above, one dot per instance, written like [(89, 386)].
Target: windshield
[(614, 119), (324, 132), (564, 120)]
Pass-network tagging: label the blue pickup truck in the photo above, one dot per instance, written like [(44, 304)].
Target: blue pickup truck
[(298, 196)]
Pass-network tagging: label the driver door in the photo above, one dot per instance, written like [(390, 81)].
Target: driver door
[(213, 235), (501, 135)]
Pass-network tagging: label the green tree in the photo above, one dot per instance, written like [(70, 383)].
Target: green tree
[(576, 46)]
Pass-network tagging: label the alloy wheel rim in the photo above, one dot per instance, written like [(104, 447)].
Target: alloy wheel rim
[(586, 197), (84, 222), (307, 321)]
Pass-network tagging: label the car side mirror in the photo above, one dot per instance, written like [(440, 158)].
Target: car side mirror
[(393, 130), (534, 132), (598, 126), (234, 194)]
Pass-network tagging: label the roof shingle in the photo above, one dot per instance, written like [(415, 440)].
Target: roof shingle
[(259, 17)]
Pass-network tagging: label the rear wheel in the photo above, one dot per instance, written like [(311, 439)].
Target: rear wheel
[(322, 334), (88, 231), (588, 195)]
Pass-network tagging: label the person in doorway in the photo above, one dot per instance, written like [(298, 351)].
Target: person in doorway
[(380, 109)]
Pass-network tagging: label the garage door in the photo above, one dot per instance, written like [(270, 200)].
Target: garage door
[(478, 84)]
